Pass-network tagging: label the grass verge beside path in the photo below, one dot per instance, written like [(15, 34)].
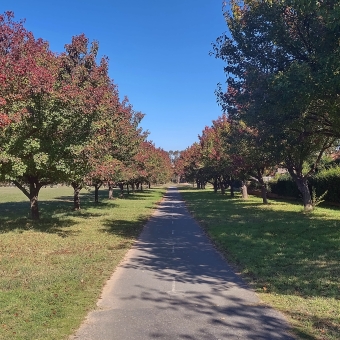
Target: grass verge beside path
[(291, 259), (52, 271)]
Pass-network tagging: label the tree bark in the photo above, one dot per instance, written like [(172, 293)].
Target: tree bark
[(231, 183), (32, 195), (244, 190), (222, 186), (264, 192), (232, 193), (306, 196), (110, 191), (302, 184), (34, 192), (127, 188), (260, 173), (76, 198), (96, 191), (133, 186), (215, 185), (121, 187)]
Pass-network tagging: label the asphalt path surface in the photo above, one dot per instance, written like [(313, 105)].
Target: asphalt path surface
[(173, 284)]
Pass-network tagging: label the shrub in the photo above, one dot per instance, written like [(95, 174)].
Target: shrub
[(325, 180), (285, 186)]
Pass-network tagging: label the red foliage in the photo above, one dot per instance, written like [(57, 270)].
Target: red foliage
[(27, 68)]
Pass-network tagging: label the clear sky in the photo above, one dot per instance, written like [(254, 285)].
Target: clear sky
[(158, 54)]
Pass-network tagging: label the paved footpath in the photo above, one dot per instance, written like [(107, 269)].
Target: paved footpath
[(174, 285)]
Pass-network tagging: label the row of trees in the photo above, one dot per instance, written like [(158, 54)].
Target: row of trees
[(61, 119), (282, 99)]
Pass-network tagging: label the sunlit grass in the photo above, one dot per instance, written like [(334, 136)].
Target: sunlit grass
[(52, 271), (291, 259)]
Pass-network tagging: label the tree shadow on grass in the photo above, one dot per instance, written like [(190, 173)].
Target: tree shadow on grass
[(16, 216), (47, 225)]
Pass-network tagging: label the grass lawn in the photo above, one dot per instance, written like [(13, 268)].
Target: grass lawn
[(52, 271), (291, 259)]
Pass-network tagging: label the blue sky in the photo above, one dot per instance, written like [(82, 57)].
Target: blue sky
[(158, 52)]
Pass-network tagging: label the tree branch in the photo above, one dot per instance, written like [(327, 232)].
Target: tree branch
[(22, 188)]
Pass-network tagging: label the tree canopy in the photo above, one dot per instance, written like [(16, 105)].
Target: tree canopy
[(61, 119)]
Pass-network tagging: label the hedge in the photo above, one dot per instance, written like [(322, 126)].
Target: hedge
[(327, 179)]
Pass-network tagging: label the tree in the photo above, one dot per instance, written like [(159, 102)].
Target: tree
[(215, 153), (252, 155), (89, 93), (190, 166), (273, 50), (27, 75), (50, 104)]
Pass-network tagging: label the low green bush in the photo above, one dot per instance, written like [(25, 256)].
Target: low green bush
[(324, 180), (327, 180), (285, 186)]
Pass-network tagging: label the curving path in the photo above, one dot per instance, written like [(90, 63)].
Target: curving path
[(174, 285)]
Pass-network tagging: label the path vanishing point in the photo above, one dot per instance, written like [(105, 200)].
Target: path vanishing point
[(173, 284)]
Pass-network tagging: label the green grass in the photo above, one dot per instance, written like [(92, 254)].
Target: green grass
[(52, 271), (291, 259)]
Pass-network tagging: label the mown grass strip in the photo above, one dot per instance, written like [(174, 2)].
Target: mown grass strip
[(292, 259), (52, 271)]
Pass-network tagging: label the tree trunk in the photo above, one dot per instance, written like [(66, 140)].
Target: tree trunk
[(137, 186), (263, 191), (302, 184), (127, 188), (232, 193), (198, 184), (231, 183), (33, 196), (244, 190), (222, 187), (141, 187), (306, 196), (76, 198), (110, 191), (260, 173), (96, 191), (121, 188), (215, 185), (133, 186), (150, 185)]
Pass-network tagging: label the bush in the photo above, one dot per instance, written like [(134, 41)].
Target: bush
[(325, 180), (285, 186)]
